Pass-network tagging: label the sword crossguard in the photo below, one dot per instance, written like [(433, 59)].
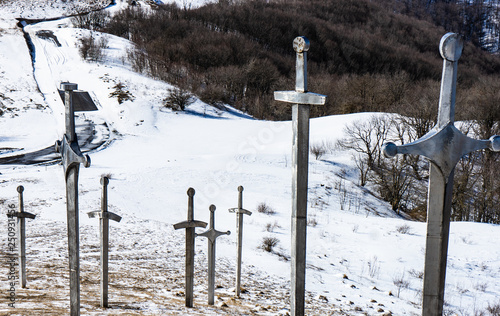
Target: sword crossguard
[(239, 211), (444, 147), (71, 154), (108, 215), (190, 224), (22, 215), (212, 233)]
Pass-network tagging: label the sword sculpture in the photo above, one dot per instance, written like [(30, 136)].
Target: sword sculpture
[(301, 100), (104, 217), (239, 226), (212, 235), (444, 145), (21, 235), (71, 160), (190, 226)]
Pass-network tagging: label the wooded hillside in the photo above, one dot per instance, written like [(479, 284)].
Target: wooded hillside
[(379, 56), (363, 56)]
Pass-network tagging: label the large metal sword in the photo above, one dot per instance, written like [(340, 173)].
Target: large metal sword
[(71, 159), (190, 226), (239, 223), (212, 235), (104, 217), (301, 100), (444, 145)]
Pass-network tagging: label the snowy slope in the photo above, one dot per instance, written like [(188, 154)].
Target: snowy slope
[(153, 155)]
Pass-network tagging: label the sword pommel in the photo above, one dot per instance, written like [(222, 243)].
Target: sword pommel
[(190, 192), (390, 150), (240, 189), (104, 180), (301, 44), (451, 46), (20, 189)]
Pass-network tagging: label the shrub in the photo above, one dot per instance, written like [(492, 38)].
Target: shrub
[(178, 99), (416, 274), (93, 49), (121, 94), (268, 243), (318, 150), (400, 282), (94, 20), (270, 226), (404, 229), (311, 221), (494, 309), (265, 209)]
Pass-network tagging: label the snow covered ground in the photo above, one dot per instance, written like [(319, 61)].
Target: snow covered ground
[(357, 248)]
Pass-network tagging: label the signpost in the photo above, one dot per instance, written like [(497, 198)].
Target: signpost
[(444, 145), (190, 226), (301, 100), (104, 217), (239, 226)]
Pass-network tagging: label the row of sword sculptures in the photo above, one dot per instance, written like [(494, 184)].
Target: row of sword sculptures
[(444, 145), (104, 215)]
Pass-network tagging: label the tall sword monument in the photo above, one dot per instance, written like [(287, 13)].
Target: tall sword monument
[(444, 145), (301, 100), (72, 157)]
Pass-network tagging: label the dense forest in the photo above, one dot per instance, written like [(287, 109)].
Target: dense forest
[(378, 56)]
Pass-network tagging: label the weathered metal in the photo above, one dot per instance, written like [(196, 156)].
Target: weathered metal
[(104, 217), (190, 226), (82, 101), (239, 227), (212, 235), (301, 100), (71, 159), (444, 145), (21, 234)]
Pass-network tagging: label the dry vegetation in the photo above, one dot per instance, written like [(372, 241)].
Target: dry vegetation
[(146, 276), (363, 56)]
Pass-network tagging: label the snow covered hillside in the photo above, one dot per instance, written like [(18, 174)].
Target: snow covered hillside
[(362, 258)]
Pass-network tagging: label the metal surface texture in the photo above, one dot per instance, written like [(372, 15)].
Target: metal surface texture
[(212, 234), (240, 211), (104, 217), (190, 226), (71, 159), (301, 100), (444, 145)]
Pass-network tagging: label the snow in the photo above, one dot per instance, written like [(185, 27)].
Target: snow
[(153, 155)]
